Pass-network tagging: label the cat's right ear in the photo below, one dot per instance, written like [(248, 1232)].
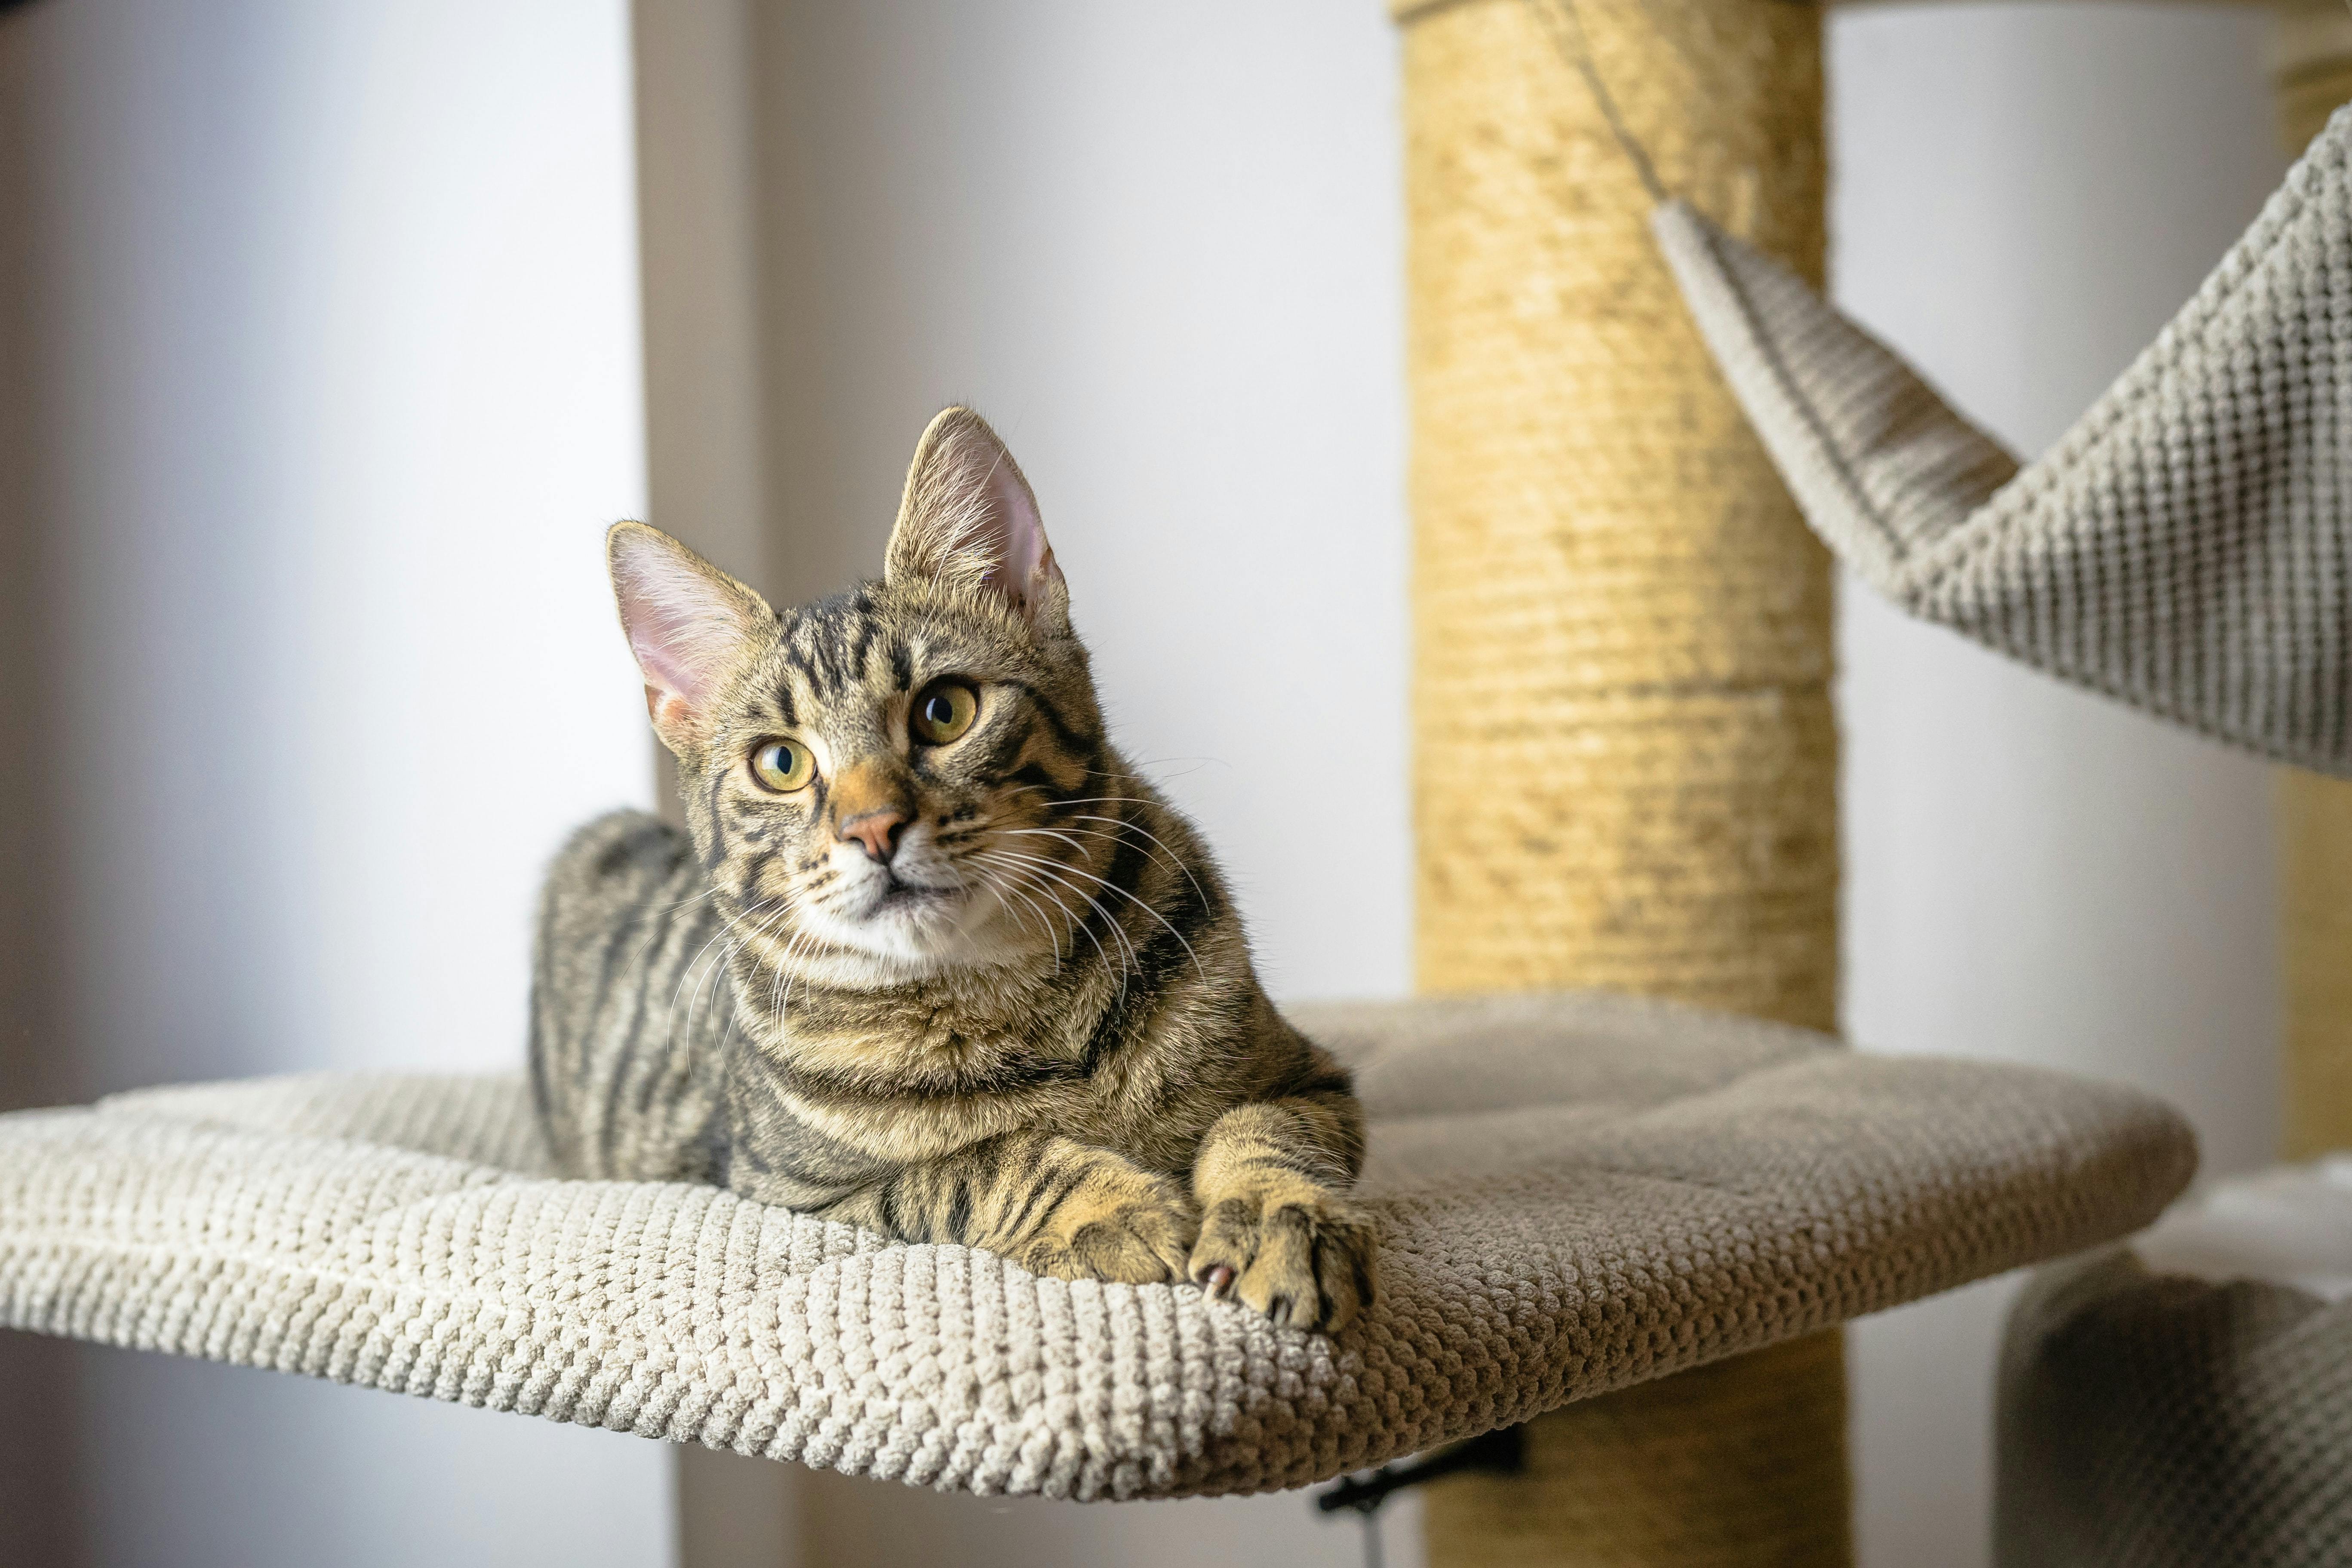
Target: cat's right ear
[(689, 625)]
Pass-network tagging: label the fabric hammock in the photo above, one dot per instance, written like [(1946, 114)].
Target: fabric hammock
[(2187, 547), (1576, 1194), (2151, 1419)]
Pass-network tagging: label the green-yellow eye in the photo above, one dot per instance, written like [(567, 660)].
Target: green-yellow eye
[(944, 710), (784, 765)]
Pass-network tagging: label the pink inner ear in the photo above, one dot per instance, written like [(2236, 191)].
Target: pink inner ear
[(1019, 546), (656, 654), (683, 628), (969, 519)]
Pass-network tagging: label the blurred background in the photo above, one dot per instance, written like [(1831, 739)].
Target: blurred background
[(333, 334)]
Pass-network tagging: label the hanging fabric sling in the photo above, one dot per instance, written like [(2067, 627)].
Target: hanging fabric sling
[(2187, 547)]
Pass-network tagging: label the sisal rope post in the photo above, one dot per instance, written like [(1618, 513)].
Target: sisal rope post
[(2311, 64), (1625, 757), (2314, 832)]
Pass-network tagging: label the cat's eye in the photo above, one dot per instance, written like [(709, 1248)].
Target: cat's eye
[(784, 765), (944, 710)]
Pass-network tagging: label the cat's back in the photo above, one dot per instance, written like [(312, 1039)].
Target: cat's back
[(628, 1004)]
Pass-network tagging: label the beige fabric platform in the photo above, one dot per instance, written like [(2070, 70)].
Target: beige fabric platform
[(1576, 1194)]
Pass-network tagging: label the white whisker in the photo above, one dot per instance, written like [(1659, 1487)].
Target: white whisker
[(997, 886), (1057, 869), (660, 931), (1110, 886), (725, 924), (1173, 858), (734, 1014), (1163, 854), (1044, 921), (1083, 928)]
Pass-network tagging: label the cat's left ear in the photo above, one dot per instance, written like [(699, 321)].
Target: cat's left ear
[(969, 518)]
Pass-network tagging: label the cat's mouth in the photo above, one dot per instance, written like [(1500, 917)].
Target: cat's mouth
[(897, 893), (891, 893), (905, 921), (922, 914)]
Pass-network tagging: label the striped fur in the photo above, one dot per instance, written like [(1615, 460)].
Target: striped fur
[(987, 990)]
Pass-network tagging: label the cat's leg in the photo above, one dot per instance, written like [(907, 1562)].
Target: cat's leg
[(1277, 1229), (1052, 1204)]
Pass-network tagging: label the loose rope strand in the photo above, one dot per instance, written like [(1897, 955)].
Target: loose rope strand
[(1565, 23)]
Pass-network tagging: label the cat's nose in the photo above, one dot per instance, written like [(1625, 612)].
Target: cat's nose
[(877, 830), (873, 798)]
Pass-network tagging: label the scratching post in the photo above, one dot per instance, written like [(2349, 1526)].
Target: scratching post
[(1625, 766), (2315, 874), (2312, 69), (1734, 1464)]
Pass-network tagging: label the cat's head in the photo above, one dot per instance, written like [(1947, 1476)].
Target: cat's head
[(872, 772)]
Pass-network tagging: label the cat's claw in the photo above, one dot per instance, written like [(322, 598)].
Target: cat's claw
[(1306, 1258)]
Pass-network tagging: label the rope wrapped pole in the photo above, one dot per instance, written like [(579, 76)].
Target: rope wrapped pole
[(2311, 64), (1627, 760), (2315, 876)]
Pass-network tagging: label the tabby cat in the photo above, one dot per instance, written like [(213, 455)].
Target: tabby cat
[(964, 976)]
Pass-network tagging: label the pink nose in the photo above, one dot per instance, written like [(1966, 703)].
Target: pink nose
[(877, 830)]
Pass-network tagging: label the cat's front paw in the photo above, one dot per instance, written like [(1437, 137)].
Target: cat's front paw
[(1133, 1233), (1302, 1255)]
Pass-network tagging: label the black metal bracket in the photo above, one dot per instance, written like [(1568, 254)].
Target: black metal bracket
[(1502, 1452)]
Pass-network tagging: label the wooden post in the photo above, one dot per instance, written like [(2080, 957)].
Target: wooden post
[(2311, 62), (1625, 764)]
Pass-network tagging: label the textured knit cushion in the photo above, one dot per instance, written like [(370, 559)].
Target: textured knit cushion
[(1576, 1194), (2187, 547), (2159, 1421)]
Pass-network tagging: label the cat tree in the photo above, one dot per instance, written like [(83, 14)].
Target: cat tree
[(1579, 1193), (1626, 760), (2185, 548), (1622, 633), (2184, 1402)]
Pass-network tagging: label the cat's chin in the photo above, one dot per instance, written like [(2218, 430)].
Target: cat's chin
[(909, 932)]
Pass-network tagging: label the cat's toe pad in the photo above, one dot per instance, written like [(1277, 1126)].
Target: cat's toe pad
[(1306, 1258), (1138, 1243)]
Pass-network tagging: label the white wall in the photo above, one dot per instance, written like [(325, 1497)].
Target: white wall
[(2024, 194), (1162, 250), (337, 363)]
